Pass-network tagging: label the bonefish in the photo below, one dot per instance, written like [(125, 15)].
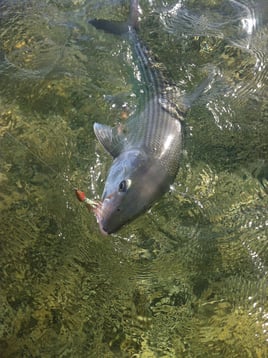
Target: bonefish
[(146, 149)]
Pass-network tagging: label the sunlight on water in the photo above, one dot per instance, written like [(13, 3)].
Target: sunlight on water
[(189, 277)]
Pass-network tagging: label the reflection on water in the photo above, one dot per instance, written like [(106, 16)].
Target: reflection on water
[(186, 279)]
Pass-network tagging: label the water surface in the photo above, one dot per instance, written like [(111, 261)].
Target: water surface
[(186, 279)]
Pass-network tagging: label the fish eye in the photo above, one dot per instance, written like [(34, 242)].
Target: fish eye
[(124, 185)]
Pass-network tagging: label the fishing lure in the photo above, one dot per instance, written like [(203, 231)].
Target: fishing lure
[(90, 203)]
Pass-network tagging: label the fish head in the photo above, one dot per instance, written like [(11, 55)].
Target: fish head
[(134, 181)]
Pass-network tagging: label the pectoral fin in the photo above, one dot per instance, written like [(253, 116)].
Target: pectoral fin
[(109, 138)]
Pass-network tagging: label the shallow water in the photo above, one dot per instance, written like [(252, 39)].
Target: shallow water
[(186, 279)]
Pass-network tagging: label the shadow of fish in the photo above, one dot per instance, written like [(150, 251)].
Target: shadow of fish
[(146, 149)]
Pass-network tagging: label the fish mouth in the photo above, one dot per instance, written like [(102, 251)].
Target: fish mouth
[(99, 214)]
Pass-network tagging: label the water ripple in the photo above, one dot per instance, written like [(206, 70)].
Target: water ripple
[(237, 35)]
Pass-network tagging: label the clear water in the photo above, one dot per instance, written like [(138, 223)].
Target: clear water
[(186, 279)]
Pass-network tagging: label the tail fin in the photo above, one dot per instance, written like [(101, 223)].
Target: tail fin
[(116, 27)]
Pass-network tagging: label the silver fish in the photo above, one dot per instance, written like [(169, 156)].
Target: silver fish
[(146, 149)]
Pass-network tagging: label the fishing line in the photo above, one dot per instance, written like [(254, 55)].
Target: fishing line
[(33, 154), (90, 203)]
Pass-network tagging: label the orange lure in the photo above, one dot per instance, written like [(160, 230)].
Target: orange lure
[(90, 203)]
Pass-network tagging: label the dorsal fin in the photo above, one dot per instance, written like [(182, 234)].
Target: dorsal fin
[(109, 138)]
